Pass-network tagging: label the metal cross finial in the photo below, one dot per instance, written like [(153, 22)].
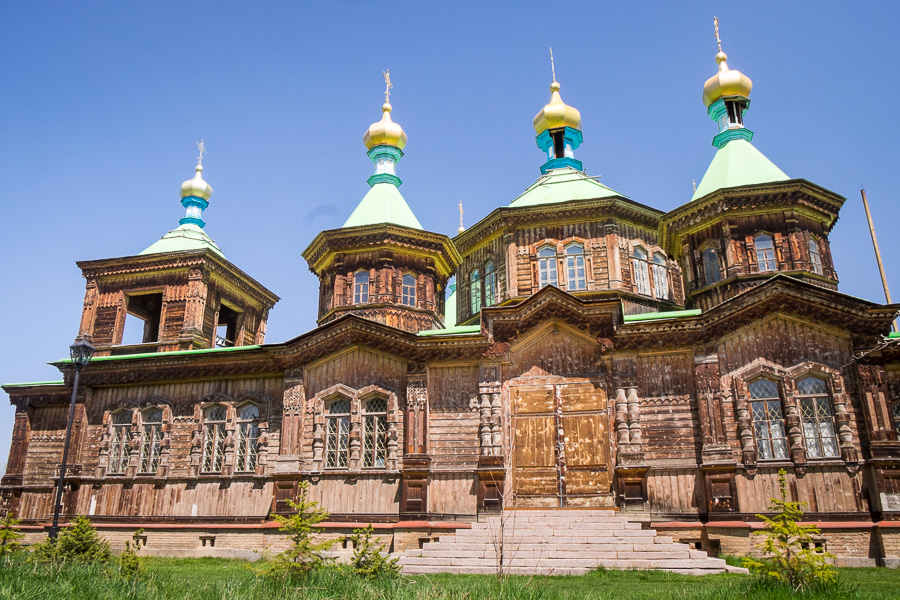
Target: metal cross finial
[(552, 67), (460, 216), (388, 86), (718, 40), (202, 148)]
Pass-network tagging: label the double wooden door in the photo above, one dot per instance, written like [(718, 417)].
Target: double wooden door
[(560, 445)]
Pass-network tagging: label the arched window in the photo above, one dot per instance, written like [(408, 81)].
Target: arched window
[(660, 275), (895, 410), (765, 253), (213, 439), (768, 419), (337, 434), (374, 428), (151, 436), (641, 276), (490, 284), (711, 266), (547, 267), (409, 290), (248, 436), (475, 291), (361, 287), (818, 418), (575, 279), (815, 259), (120, 442)]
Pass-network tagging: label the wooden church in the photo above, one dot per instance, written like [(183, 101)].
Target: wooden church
[(593, 353)]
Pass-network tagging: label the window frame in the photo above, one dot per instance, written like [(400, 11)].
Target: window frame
[(815, 257), (337, 427), (475, 291), (641, 269), (374, 433), (150, 455), (762, 258), (660, 275), (547, 269), (489, 284), (769, 441), (573, 266), (119, 442), (408, 289), (361, 288), (705, 264), (246, 458), (212, 458), (825, 398)]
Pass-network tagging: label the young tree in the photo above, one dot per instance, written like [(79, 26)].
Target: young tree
[(305, 553), (79, 542), (368, 560), (10, 535), (790, 556), (129, 561)]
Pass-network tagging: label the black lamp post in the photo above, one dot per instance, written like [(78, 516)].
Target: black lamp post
[(80, 352)]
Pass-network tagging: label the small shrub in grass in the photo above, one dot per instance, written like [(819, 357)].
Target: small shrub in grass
[(368, 561), (129, 561), (305, 554), (79, 542), (790, 558), (10, 535)]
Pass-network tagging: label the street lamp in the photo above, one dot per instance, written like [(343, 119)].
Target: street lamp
[(80, 352)]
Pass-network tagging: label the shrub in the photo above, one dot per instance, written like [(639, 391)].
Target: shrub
[(79, 542), (10, 535), (790, 557), (305, 553), (129, 561), (368, 560)]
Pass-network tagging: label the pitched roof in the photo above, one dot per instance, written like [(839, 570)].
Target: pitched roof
[(184, 237), (735, 164), (450, 308), (563, 185), (383, 204)]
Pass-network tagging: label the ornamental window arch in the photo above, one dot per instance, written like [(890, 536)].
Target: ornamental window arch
[(120, 428), (231, 435), (764, 251), (355, 429), (710, 263), (408, 285), (820, 394), (360, 283), (575, 265), (640, 268), (815, 255), (547, 268), (152, 421)]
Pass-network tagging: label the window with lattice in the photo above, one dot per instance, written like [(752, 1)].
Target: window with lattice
[(641, 271), (711, 273), (361, 287), (768, 419), (818, 418), (374, 429), (248, 438), (213, 439), (575, 274), (895, 411), (490, 284), (408, 296), (151, 438), (120, 442), (660, 276), (815, 257), (547, 267), (475, 291), (337, 434), (765, 253)]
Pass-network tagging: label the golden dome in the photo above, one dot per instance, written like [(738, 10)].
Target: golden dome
[(556, 114), (725, 83), (385, 132), (196, 187)]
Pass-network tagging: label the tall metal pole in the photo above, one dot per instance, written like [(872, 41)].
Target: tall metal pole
[(54, 527), (884, 283)]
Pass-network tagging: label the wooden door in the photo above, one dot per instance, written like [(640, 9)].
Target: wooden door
[(561, 445)]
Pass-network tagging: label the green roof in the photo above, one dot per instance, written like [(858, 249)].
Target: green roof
[(33, 383), (450, 308), (455, 330), (383, 204), (656, 316), (184, 237), (563, 185), (735, 164), (164, 354)]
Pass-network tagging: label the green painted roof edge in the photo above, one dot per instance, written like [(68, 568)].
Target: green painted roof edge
[(894, 335), (546, 179), (450, 310), (456, 330), (192, 237), (656, 316), (736, 164), (152, 354), (32, 384)]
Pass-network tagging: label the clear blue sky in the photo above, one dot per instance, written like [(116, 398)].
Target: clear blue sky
[(102, 103)]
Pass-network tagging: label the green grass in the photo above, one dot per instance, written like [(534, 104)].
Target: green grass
[(220, 579)]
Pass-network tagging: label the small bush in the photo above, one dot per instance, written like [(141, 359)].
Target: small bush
[(10, 535), (305, 554), (129, 562), (79, 542), (369, 561), (790, 558)]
